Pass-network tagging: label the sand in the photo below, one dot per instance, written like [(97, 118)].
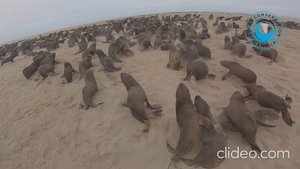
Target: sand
[(41, 126)]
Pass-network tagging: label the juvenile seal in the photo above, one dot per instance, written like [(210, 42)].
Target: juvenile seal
[(89, 89), (32, 68), (82, 45), (91, 38), (84, 65), (45, 69), (268, 99), (106, 62), (270, 53), (115, 48), (90, 50), (68, 70), (243, 119), (238, 48), (136, 99), (196, 66), (188, 121), (158, 41), (174, 58), (213, 141), (10, 58), (239, 71), (228, 44)]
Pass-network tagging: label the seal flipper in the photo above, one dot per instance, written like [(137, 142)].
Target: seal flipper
[(63, 75), (117, 69), (188, 162), (211, 76), (117, 60), (171, 149), (156, 113), (155, 107), (263, 124), (226, 76)]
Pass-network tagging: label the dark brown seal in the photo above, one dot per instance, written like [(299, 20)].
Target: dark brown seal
[(45, 69), (32, 68), (10, 58), (68, 70), (136, 99), (188, 121), (268, 99), (239, 71), (84, 65), (90, 50), (270, 53), (242, 118), (82, 45), (196, 66), (174, 58), (213, 141), (106, 61), (89, 89)]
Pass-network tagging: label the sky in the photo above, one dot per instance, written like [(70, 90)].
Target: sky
[(23, 18)]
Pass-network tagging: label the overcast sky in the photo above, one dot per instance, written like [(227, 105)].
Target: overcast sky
[(22, 18)]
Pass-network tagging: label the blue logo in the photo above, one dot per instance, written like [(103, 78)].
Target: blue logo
[(263, 30)]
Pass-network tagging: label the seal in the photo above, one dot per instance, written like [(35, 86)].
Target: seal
[(270, 53), (68, 70), (84, 65), (240, 36), (115, 48), (174, 58), (10, 58), (228, 44), (196, 66), (89, 89), (32, 68), (49, 58), (106, 62), (188, 121), (45, 69), (268, 99), (238, 48), (213, 141), (239, 71), (243, 119), (90, 50), (158, 41), (91, 38), (82, 45), (136, 99), (109, 38)]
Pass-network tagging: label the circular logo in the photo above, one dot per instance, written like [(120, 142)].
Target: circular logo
[(263, 30)]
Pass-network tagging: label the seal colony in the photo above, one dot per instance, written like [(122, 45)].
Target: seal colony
[(120, 54)]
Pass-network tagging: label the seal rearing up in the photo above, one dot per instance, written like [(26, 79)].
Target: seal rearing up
[(136, 99), (268, 99), (213, 141)]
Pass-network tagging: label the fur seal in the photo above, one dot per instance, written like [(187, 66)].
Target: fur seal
[(243, 119), (89, 89), (115, 48), (213, 141), (188, 121), (196, 66), (268, 99), (106, 62), (228, 44), (238, 48), (68, 70), (10, 58), (45, 69), (136, 99), (84, 65), (90, 38), (158, 41), (32, 68), (270, 53), (49, 58), (174, 58), (90, 50), (82, 45), (239, 71)]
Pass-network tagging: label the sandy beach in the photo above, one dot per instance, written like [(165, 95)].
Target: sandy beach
[(41, 126)]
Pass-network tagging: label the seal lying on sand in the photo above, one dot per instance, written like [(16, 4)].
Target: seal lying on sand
[(213, 141), (136, 99), (268, 99), (106, 62), (68, 70), (10, 58), (89, 89), (242, 118), (270, 53), (188, 121), (197, 67), (239, 71)]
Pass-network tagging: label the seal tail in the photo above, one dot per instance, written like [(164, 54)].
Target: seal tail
[(264, 125)]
